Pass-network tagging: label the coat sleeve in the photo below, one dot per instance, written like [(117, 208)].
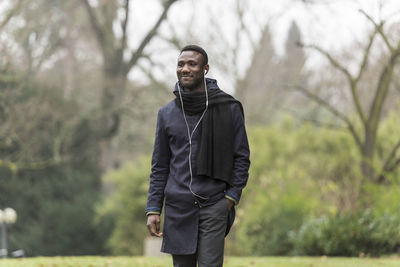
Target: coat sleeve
[(241, 152), (159, 168)]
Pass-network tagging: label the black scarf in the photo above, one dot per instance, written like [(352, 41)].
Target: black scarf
[(215, 157)]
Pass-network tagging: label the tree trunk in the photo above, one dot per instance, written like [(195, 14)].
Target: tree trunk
[(368, 152), (115, 81)]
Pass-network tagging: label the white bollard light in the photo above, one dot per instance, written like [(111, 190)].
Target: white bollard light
[(9, 216)]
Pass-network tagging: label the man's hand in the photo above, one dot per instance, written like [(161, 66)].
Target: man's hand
[(230, 204), (153, 224)]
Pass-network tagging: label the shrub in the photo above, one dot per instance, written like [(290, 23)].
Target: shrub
[(348, 235), (127, 205)]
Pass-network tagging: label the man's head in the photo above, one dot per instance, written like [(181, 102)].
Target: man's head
[(192, 66)]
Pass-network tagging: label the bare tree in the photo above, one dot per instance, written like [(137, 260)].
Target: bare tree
[(368, 117), (115, 68), (54, 32)]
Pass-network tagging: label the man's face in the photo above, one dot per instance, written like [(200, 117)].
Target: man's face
[(190, 69)]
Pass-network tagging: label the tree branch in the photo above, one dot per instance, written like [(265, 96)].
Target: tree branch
[(379, 27), (394, 165), (139, 51), (364, 62), (381, 178), (150, 75), (11, 13), (387, 166), (100, 35), (352, 81), (382, 89), (334, 111), (240, 13), (124, 25), (333, 61), (48, 50)]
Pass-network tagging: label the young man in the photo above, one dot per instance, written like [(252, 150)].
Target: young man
[(199, 167)]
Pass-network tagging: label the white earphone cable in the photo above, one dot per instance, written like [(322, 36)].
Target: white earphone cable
[(190, 135)]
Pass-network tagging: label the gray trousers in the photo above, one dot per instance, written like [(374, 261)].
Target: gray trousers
[(210, 247)]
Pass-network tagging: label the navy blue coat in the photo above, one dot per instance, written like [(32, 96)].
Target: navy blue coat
[(170, 175)]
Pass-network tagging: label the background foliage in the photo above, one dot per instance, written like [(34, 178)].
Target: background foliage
[(305, 182), (80, 85), (305, 196), (54, 196), (127, 205)]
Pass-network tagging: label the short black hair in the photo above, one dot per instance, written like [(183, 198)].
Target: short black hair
[(197, 49)]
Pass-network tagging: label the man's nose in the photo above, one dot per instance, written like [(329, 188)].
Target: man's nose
[(185, 68)]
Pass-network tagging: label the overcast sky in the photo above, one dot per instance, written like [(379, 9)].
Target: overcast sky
[(332, 24)]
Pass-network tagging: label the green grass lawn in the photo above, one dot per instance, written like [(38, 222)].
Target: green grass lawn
[(167, 262)]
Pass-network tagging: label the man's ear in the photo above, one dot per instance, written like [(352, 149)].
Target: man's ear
[(206, 69)]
